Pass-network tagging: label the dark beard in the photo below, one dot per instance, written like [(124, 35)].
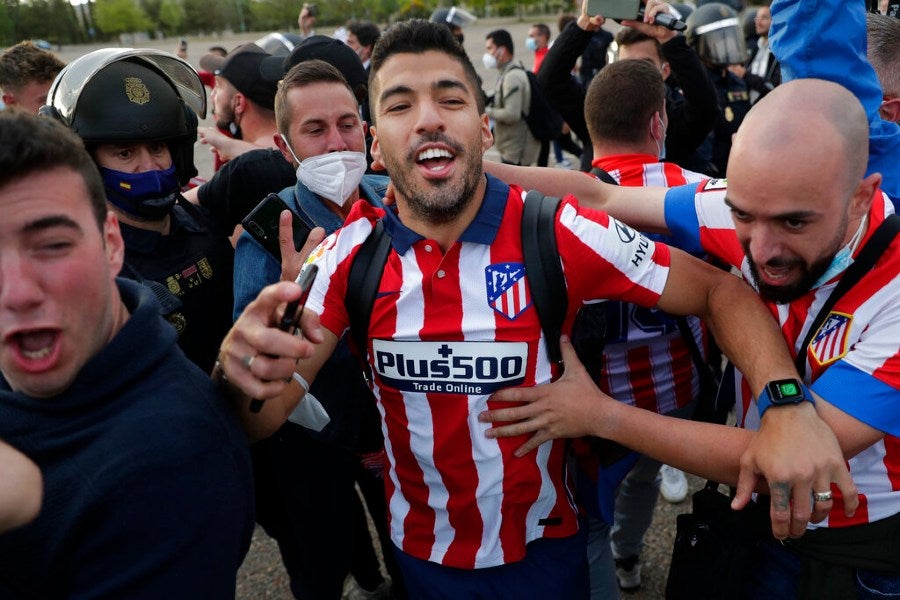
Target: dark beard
[(783, 294), (431, 203)]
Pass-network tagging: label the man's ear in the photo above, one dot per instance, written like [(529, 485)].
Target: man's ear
[(8, 98), (862, 198), (283, 147), (113, 242), (375, 151), (487, 136), (665, 70), (890, 110)]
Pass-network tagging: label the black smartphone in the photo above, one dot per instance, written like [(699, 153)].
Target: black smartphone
[(615, 9), (262, 224), (291, 317), (293, 309)]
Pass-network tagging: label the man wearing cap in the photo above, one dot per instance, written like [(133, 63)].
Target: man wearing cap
[(243, 102), (239, 186)]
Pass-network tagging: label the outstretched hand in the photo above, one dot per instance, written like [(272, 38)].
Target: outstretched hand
[(658, 32), (797, 454), (258, 358), (569, 407)]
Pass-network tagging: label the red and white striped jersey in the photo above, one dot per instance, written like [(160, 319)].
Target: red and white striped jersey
[(448, 329), (646, 361), (853, 360)]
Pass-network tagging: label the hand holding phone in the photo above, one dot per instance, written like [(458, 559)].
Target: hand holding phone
[(291, 318), (262, 224)]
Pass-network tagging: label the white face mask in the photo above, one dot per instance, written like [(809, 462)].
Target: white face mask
[(489, 60), (333, 175)]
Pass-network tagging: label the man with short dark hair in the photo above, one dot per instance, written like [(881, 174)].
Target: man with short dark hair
[(452, 322), (26, 73), (243, 102), (148, 489), (510, 102), (361, 36)]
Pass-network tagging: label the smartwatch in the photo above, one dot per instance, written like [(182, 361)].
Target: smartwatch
[(782, 392)]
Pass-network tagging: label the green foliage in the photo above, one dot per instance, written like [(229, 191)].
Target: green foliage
[(120, 16), (207, 16), (171, 16), (276, 15)]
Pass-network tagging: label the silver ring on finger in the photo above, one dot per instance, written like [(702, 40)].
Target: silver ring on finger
[(822, 496), (247, 360)]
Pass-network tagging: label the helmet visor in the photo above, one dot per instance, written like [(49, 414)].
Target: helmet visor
[(68, 85), (721, 42)]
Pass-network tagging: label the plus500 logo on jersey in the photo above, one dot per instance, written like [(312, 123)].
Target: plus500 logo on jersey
[(450, 367)]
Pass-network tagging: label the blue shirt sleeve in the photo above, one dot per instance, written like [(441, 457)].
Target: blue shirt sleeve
[(254, 269), (681, 219), (826, 39), (873, 402)]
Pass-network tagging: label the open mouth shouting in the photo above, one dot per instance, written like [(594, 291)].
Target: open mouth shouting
[(34, 350)]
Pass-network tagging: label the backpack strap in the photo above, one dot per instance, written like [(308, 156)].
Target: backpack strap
[(362, 286), (545, 276), (603, 176)]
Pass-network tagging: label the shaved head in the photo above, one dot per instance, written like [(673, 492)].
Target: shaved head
[(806, 124), (796, 184)]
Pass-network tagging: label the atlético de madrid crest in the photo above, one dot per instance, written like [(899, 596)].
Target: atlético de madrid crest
[(830, 342), (507, 289)]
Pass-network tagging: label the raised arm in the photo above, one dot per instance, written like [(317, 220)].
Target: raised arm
[(640, 207)]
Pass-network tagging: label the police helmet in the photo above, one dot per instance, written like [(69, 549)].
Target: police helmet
[(278, 43), (127, 96), (714, 31), (453, 17)]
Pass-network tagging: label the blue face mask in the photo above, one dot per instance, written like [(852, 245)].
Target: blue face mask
[(147, 195), (531, 43), (844, 257)]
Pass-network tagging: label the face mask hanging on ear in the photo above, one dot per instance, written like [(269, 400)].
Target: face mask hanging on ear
[(661, 147), (333, 175), (844, 257)]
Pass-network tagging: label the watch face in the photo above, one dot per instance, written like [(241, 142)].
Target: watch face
[(786, 391), (787, 388)]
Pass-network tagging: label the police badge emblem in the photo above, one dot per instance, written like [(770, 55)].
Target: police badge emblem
[(136, 91)]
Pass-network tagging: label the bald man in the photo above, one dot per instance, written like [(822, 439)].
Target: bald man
[(797, 207)]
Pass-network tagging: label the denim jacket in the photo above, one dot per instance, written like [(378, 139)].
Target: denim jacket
[(254, 268)]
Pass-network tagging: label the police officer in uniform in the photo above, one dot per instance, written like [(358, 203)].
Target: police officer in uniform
[(714, 32), (136, 111)]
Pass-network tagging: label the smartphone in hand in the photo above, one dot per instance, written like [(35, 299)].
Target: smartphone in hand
[(291, 317), (262, 224)]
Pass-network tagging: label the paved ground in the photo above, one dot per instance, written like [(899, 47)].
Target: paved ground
[(262, 576)]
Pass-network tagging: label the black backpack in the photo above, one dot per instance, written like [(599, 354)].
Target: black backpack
[(544, 121)]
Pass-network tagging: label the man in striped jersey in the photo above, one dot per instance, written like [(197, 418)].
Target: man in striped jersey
[(796, 210), (647, 361), (453, 322)]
